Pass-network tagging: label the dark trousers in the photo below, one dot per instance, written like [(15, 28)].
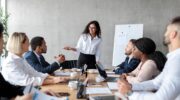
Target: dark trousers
[(89, 60), (9, 91)]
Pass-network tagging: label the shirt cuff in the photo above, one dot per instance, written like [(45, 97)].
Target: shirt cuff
[(97, 59), (44, 76), (39, 81), (59, 64), (135, 87), (133, 96)]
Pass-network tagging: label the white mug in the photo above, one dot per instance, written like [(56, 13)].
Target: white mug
[(73, 84), (91, 70), (74, 75), (74, 69), (100, 79)]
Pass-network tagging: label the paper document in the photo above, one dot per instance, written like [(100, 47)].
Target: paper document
[(122, 97), (112, 85), (104, 97), (113, 75), (110, 72), (38, 95), (58, 73), (98, 91)]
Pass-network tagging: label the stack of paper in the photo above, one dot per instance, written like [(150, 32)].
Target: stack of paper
[(113, 75), (58, 73), (98, 91), (38, 95), (109, 72), (112, 85)]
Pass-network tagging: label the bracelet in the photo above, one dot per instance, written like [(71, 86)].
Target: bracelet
[(129, 93), (70, 48)]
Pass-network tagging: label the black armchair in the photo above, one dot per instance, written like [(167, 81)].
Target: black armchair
[(68, 64)]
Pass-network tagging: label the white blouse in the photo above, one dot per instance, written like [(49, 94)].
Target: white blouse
[(87, 45), (17, 71)]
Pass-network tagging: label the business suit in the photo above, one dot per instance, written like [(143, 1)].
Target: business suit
[(9, 91), (127, 66), (40, 65)]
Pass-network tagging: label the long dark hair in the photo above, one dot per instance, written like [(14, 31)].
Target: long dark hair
[(145, 45), (1, 30), (159, 58), (98, 29)]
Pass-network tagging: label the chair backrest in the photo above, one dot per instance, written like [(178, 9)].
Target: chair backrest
[(68, 64)]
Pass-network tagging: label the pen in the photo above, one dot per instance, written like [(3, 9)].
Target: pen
[(30, 88)]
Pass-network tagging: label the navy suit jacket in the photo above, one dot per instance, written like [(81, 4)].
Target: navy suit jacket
[(126, 67), (42, 66)]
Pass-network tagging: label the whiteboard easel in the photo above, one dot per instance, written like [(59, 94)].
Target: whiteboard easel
[(123, 33)]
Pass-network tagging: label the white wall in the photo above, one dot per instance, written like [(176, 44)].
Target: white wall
[(62, 21)]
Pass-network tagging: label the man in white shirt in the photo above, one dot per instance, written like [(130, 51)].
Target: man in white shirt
[(167, 84)]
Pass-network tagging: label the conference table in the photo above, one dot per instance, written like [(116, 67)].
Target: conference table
[(63, 87)]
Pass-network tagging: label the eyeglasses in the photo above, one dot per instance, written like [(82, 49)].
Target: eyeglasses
[(92, 27)]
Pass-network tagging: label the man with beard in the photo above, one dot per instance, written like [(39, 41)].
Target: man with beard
[(37, 61), (130, 63), (167, 84)]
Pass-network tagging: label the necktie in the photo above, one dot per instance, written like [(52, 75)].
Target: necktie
[(41, 59)]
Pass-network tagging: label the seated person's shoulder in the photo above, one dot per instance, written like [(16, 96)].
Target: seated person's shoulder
[(28, 54), (150, 63), (136, 59)]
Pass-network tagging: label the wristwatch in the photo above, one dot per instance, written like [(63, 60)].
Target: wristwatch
[(128, 94)]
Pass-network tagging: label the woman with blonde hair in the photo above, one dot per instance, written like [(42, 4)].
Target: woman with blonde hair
[(17, 71)]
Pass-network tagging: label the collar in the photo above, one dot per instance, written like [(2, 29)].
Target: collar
[(130, 56), (14, 55), (37, 55), (175, 52), (96, 37)]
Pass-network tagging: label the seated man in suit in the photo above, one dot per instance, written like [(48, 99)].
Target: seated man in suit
[(130, 62), (36, 60)]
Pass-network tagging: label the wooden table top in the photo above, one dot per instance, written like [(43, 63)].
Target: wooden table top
[(63, 87)]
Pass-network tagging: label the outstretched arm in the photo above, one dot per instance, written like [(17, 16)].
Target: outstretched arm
[(70, 48)]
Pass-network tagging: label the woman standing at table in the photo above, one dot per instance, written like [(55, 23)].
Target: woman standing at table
[(88, 45)]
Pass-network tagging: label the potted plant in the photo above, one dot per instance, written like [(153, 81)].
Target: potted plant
[(4, 19)]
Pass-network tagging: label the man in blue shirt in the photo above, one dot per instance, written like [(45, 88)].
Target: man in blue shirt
[(130, 62)]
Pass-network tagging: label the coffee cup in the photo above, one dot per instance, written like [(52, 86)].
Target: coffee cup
[(73, 84), (91, 71), (100, 79), (74, 69), (74, 75)]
